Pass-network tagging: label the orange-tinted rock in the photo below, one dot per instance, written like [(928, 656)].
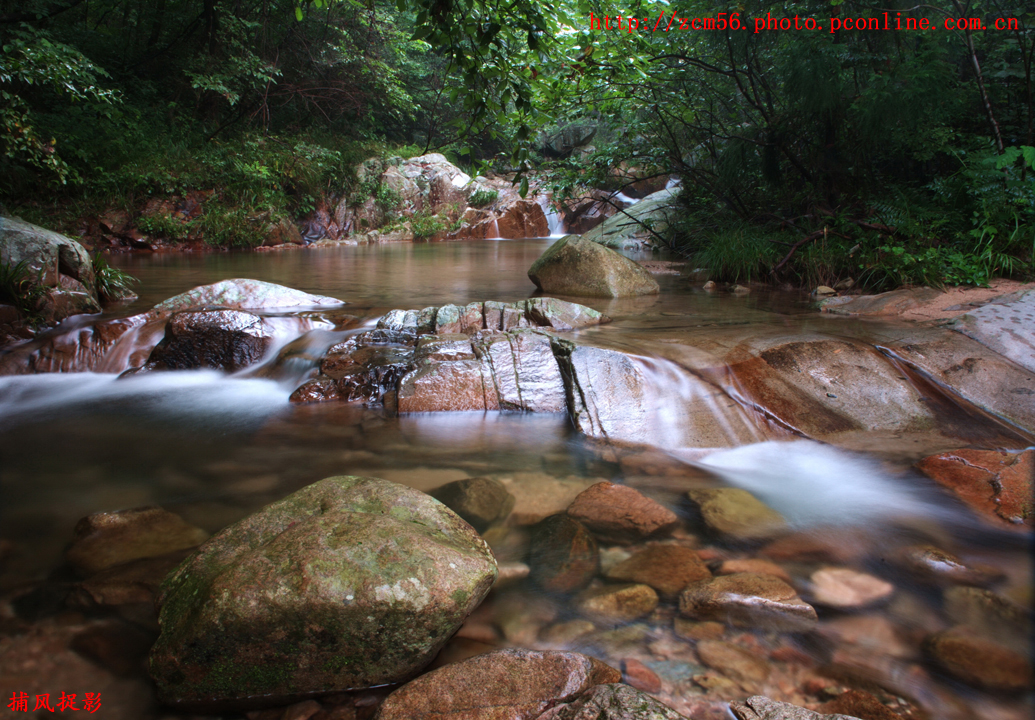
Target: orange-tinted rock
[(618, 513), (978, 661), (523, 219), (858, 704), (666, 568), (508, 684), (846, 588), (640, 676), (753, 565), (617, 603), (995, 484), (748, 600), (732, 660)]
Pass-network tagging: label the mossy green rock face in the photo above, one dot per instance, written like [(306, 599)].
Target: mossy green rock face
[(350, 582)]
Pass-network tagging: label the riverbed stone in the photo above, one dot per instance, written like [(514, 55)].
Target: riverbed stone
[(640, 676), (934, 565), (847, 589), (1006, 326), (621, 514), (759, 707), (736, 514), (538, 495), (574, 266), (990, 614), (561, 315), (753, 565), (481, 501), (666, 568), (107, 539), (978, 661), (350, 582), (511, 684), (562, 554), (997, 484), (613, 701), (732, 660), (617, 603), (220, 339), (748, 600)]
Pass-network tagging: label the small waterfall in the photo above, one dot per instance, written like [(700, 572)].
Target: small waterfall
[(554, 220), (624, 199), (494, 230)]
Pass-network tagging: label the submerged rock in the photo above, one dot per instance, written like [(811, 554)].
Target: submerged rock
[(480, 501), (621, 514), (735, 513), (350, 582), (510, 684), (935, 565), (978, 661), (107, 539), (579, 267), (844, 588), (748, 600), (613, 701), (617, 603), (563, 555), (666, 568)]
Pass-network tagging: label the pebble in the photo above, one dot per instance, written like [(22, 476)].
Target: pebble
[(748, 600), (697, 630), (617, 603), (736, 514), (753, 565), (845, 589), (621, 514), (666, 568), (977, 661), (931, 564), (732, 661), (640, 676)]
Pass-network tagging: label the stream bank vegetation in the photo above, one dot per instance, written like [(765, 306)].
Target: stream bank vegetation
[(891, 157)]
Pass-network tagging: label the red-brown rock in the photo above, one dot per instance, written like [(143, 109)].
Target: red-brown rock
[(507, 684), (618, 513), (996, 484), (666, 568)]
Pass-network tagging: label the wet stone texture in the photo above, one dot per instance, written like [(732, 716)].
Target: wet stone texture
[(748, 600), (221, 339), (350, 582), (613, 701), (621, 514), (997, 485), (502, 685)]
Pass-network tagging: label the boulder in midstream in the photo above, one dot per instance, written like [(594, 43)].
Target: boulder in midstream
[(573, 266), (350, 582)]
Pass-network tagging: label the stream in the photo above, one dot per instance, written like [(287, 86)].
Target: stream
[(214, 448)]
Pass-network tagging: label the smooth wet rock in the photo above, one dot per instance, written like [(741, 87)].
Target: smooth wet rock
[(538, 496), (762, 708), (617, 603), (561, 315), (621, 514), (220, 339), (107, 539), (1006, 326), (640, 676), (562, 554), (579, 267), (510, 684), (857, 703), (737, 514), (934, 565), (242, 294), (977, 661), (666, 568), (732, 660), (613, 702), (753, 565), (480, 501), (998, 485), (350, 582), (990, 614), (844, 588), (893, 302), (694, 630), (748, 600)]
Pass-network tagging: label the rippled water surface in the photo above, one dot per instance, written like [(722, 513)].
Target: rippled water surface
[(215, 448)]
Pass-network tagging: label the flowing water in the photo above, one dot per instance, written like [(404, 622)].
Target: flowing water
[(214, 448)]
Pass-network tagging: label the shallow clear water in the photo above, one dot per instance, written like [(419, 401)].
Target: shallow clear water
[(214, 448)]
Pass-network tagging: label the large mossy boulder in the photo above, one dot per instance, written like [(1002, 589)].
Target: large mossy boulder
[(348, 583), (580, 267), (55, 261)]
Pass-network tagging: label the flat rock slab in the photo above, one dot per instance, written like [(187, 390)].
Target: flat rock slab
[(1006, 326), (894, 302), (508, 684), (996, 484), (348, 583)]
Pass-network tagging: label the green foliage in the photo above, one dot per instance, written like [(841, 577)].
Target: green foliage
[(425, 226), (482, 197), (19, 288), (112, 283)]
